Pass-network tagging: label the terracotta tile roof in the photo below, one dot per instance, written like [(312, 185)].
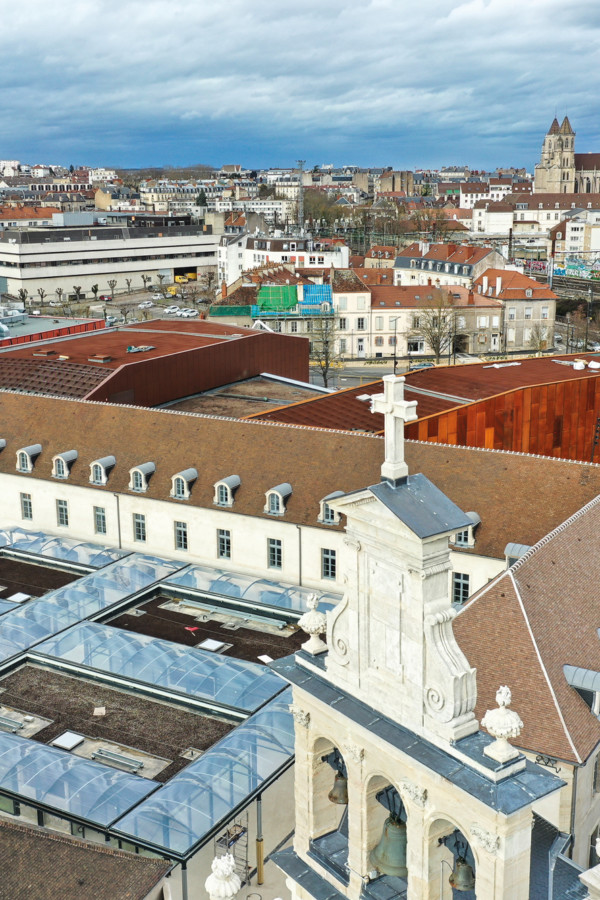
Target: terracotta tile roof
[(494, 206), (356, 261), (28, 212), (375, 276), (420, 296), (43, 866), (514, 285), (538, 617), (469, 187), (455, 253), (377, 250)]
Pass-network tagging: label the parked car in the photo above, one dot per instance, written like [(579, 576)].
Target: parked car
[(421, 365), (145, 304), (558, 338), (157, 296), (594, 346), (172, 310), (190, 314), (106, 298), (110, 320)]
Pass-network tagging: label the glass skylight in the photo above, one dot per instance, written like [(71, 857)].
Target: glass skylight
[(251, 590), (56, 610), (49, 545), (223, 681), (69, 784), (180, 814)]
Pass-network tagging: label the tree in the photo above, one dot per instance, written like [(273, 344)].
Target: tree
[(193, 292), (42, 294), (435, 320), (201, 198), (59, 293), (77, 292), (94, 289), (431, 221), (128, 282), (112, 285), (23, 294), (323, 349), (125, 312), (161, 286), (146, 279), (264, 192), (538, 339)]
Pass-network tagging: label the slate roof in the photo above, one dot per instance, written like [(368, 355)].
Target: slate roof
[(538, 616), (44, 866)]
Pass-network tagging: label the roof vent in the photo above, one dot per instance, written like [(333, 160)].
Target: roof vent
[(99, 358)]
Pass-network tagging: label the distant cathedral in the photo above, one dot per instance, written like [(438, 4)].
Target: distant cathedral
[(561, 170)]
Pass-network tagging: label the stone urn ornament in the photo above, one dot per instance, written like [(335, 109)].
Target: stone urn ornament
[(502, 723), (313, 623), (223, 883)]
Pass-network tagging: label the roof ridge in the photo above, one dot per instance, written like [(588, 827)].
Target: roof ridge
[(178, 412), (542, 664), (563, 459), (555, 532)]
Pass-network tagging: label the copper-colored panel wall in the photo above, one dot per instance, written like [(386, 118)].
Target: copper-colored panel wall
[(155, 381), (550, 420)]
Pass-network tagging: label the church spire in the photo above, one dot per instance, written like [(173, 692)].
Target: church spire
[(554, 128), (565, 128)]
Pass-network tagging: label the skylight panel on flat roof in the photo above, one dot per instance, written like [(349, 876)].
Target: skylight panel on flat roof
[(251, 590), (204, 794), (220, 681), (42, 544), (71, 785)]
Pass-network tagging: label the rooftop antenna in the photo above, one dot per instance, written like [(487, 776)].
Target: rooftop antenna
[(301, 163)]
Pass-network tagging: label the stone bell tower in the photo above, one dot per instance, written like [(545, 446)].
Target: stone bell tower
[(555, 173), (384, 713)]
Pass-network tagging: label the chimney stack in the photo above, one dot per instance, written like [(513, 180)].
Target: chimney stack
[(471, 299), (485, 284), (498, 285), (224, 290)]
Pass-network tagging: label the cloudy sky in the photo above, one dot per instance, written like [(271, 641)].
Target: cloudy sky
[(408, 83)]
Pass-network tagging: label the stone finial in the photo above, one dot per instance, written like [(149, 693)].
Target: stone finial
[(502, 723), (313, 623), (223, 883)]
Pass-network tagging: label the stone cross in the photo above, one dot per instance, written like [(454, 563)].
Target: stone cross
[(396, 411)]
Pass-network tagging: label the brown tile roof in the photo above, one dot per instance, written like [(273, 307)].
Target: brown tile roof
[(519, 498), (377, 250), (419, 297), (455, 253), (40, 865), (342, 410), (375, 276), (28, 212), (514, 285), (45, 376), (539, 616), (584, 162)]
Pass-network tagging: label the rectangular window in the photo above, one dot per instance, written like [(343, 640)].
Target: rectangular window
[(223, 544), (343, 324), (62, 513), (416, 322), (379, 342), (139, 527), (528, 312), (460, 587), (99, 520), (379, 322), (461, 538), (361, 303), (360, 324), (512, 313), (342, 345), (328, 563), (274, 553), (495, 321), (415, 346), (544, 312), (293, 327), (26, 507), (181, 536), (342, 304)]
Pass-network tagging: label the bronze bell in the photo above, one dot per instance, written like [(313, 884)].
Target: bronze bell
[(389, 856), (339, 791), (462, 877)]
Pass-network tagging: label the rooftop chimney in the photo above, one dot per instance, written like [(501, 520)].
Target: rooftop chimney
[(498, 285), (485, 284), (471, 299), (223, 290)]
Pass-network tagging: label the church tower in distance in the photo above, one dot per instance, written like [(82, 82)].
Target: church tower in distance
[(555, 173)]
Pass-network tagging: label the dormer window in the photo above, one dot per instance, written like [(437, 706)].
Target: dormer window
[(528, 292), (100, 468), (466, 538), (27, 456), (140, 476), (327, 515), (62, 462), (277, 498), (225, 490), (181, 484)]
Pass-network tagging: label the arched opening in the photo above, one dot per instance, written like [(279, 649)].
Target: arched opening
[(386, 846), (329, 831), (452, 865)]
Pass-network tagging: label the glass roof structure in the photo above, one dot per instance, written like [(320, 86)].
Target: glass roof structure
[(221, 681), (39, 619), (253, 591), (189, 807), (69, 784), (63, 548), (6, 606)]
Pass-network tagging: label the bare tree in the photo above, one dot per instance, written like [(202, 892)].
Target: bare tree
[(112, 285), (77, 292), (59, 293), (42, 294), (161, 284), (128, 282), (125, 312), (23, 294), (94, 289), (193, 292), (538, 340), (435, 321), (323, 341), (146, 279), (431, 221)]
